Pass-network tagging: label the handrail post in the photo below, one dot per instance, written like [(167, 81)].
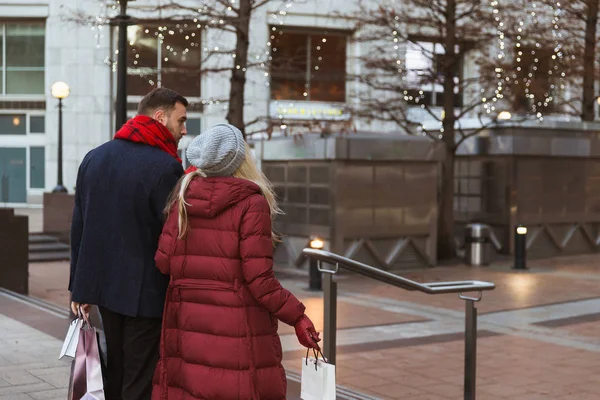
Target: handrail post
[(470, 348), (315, 281), (330, 323)]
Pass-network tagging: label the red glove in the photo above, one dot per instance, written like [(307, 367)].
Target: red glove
[(306, 333)]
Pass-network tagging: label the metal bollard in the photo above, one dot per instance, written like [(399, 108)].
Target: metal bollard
[(520, 248), (314, 275)]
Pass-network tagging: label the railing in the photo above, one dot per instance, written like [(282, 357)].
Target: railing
[(330, 300)]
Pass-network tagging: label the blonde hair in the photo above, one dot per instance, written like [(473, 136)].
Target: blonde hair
[(248, 170)]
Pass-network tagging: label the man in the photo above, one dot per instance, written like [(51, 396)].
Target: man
[(122, 188)]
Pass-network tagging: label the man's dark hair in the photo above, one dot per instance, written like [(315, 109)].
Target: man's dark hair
[(160, 98)]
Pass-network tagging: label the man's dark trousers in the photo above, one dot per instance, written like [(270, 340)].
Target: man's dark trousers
[(132, 354)]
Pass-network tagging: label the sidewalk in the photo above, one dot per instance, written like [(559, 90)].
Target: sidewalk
[(29, 365), (539, 332)]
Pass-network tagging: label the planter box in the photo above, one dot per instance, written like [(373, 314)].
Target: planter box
[(14, 251), (58, 212)]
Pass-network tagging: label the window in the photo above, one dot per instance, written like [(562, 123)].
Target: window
[(37, 124), (532, 84), (308, 66), (22, 58), (13, 124), (193, 126), (467, 187), (164, 56), (424, 73), (37, 167)]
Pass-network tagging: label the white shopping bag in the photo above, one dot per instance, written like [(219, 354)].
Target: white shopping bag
[(69, 346), (318, 380)]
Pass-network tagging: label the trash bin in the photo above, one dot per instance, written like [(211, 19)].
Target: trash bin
[(478, 246)]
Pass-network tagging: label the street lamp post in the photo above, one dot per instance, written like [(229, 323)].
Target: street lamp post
[(121, 106), (60, 90)]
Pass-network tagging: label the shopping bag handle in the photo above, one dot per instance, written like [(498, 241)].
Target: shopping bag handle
[(81, 314), (316, 353)]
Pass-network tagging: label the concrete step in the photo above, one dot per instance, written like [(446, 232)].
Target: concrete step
[(44, 248), (42, 239), (50, 256), (48, 247)]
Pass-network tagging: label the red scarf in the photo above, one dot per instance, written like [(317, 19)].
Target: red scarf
[(143, 129), (191, 169)]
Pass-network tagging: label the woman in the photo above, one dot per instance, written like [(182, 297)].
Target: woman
[(219, 336)]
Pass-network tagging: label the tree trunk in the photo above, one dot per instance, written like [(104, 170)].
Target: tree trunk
[(446, 235), (446, 242), (235, 114), (589, 61)]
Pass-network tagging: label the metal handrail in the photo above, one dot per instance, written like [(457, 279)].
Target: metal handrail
[(395, 280), (330, 303)]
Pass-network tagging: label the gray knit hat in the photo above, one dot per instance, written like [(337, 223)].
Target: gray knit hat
[(219, 151)]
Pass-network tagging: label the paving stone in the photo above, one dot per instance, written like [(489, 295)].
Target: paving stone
[(42, 372), (16, 396), (19, 377), (54, 394), (58, 379), (21, 389)]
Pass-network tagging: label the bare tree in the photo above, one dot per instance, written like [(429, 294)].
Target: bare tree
[(590, 18), (580, 23), (443, 33), (231, 17)]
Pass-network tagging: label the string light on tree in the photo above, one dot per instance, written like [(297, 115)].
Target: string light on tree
[(489, 104), (554, 72), (558, 56)]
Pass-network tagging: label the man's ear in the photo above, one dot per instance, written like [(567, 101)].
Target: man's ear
[(160, 116)]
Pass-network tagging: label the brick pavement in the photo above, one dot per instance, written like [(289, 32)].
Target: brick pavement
[(591, 329), (539, 332), (49, 281)]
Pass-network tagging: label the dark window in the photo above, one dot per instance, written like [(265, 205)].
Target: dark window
[(12, 124), (37, 124), (193, 126), (308, 66), (37, 167), (165, 56)]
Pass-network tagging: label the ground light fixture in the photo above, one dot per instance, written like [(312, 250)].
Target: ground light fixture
[(314, 275)]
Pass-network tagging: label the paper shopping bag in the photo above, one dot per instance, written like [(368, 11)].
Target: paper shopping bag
[(69, 346), (318, 380), (86, 371)]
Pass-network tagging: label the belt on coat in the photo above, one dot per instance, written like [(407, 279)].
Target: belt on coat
[(187, 283)]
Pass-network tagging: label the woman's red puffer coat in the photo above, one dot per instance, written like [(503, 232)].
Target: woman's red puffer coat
[(219, 337)]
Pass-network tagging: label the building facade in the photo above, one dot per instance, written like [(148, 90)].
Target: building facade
[(301, 54)]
